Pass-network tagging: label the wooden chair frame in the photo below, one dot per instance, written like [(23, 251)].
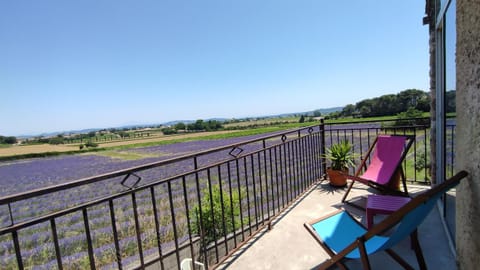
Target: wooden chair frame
[(384, 189), (388, 223)]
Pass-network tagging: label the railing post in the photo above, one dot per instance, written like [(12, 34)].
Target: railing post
[(322, 148)]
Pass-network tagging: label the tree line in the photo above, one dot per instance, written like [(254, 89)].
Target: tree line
[(8, 140), (199, 125), (394, 104)]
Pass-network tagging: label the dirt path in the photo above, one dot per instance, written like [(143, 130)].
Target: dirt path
[(33, 149)]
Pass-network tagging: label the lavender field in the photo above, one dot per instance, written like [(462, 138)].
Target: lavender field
[(36, 241)]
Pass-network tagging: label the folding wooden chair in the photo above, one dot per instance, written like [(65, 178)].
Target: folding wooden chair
[(385, 166), (343, 237)]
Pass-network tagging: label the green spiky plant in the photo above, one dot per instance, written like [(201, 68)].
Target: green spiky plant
[(341, 156)]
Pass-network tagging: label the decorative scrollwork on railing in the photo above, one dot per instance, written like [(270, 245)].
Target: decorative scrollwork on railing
[(310, 130), (235, 152), (284, 138), (135, 184)]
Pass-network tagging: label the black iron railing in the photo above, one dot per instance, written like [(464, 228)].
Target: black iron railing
[(362, 134), (206, 208)]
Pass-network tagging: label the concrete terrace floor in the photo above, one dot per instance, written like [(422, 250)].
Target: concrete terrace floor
[(289, 245)]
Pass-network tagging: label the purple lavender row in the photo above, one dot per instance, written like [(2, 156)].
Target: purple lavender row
[(49, 207), (108, 230), (33, 238), (103, 254), (35, 173), (234, 181)]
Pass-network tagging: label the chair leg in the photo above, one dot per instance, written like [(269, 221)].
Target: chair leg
[(399, 259), (418, 250), (418, 253), (330, 262), (404, 181), (348, 191), (363, 254)]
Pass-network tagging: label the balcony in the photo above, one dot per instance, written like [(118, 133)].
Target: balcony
[(289, 246), (213, 205)]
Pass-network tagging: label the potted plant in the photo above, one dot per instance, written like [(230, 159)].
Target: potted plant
[(341, 158)]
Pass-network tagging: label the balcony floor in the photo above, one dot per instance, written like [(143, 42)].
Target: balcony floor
[(289, 245)]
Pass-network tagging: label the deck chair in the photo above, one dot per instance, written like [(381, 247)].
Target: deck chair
[(343, 237), (385, 167)]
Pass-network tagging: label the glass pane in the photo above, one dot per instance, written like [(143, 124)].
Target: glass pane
[(450, 93), (439, 4)]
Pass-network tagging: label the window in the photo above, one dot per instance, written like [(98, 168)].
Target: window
[(445, 101)]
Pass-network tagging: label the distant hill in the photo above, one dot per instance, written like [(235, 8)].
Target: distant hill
[(171, 123), (330, 110), (310, 113)]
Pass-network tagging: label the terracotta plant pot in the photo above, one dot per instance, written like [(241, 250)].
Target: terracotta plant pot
[(336, 178)]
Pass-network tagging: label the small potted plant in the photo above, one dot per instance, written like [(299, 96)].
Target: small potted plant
[(341, 158)]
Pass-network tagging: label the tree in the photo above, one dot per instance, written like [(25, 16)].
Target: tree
[(199, 125), (8, 140), (385, 105), (348, 110), (91, 144), (333, 115), (180, 126), (221, 204), (365, 111), (364, 107), (450, 98), (168, 131), (212, 125), (390, 104), (56, 140), (410, 98), (423, 104), (302, 119), (411, 113), (122, 134)]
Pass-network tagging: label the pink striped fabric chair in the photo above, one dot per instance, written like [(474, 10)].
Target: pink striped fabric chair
[(384, 170)]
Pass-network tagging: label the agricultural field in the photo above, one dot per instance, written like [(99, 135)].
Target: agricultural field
[(262, 122), (13, 150), (35, 173), (28, 174)]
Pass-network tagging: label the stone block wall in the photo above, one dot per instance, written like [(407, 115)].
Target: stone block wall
[(468, 133)]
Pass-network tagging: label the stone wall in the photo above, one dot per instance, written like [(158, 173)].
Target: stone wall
[(468, 133), (430, 19)]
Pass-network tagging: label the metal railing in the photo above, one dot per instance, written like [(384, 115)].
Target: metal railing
[(361, 135), (207, 206)]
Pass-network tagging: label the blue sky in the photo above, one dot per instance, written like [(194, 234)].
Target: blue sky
[(68, 65)]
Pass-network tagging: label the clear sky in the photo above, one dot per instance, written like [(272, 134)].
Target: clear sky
[(68, 65)]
